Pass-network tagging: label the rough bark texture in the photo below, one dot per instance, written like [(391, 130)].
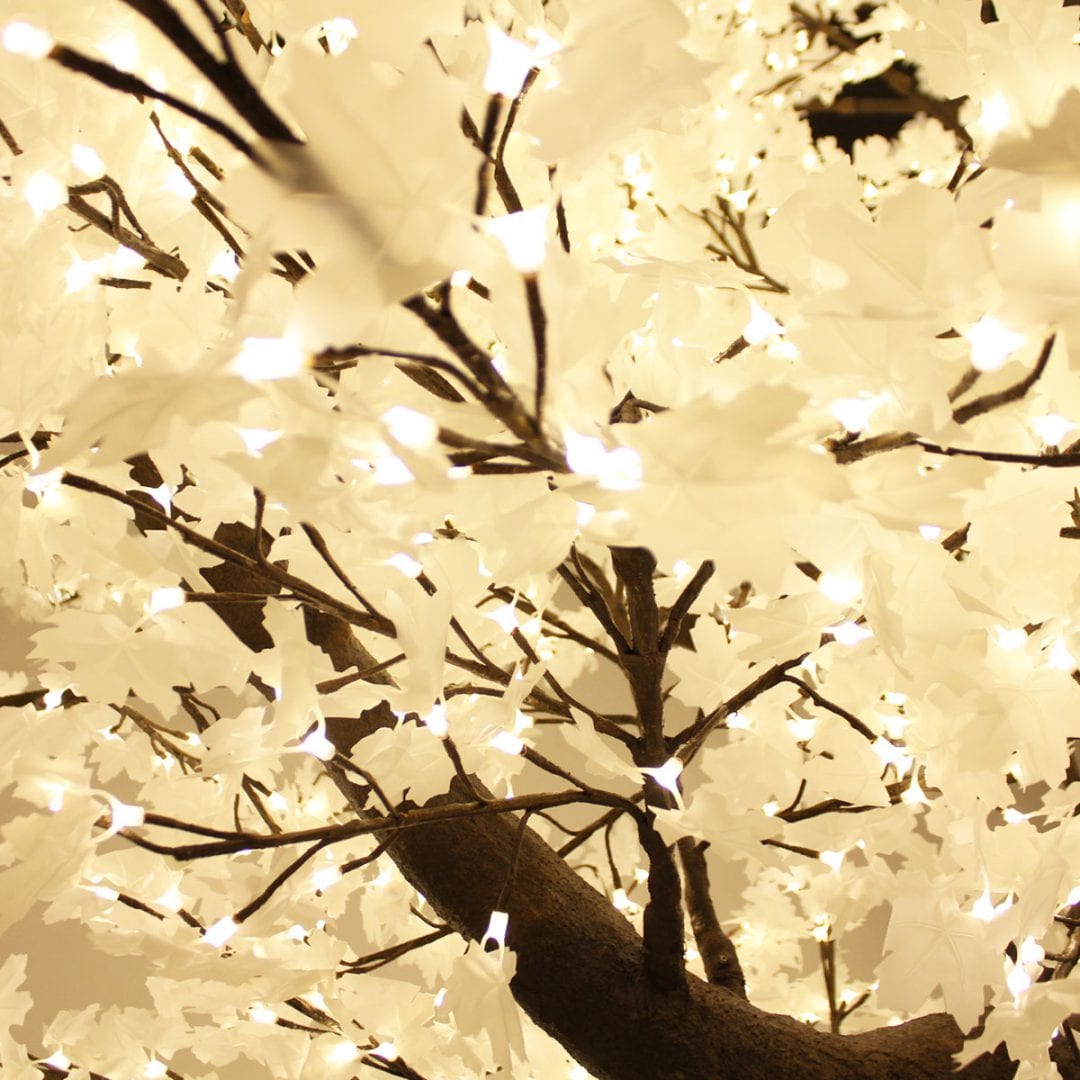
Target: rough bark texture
[(580, 976)]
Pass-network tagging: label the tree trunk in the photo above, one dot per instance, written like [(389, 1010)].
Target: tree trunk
[(580, 977)]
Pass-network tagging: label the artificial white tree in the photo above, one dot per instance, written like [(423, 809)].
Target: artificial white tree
[(480, 470)]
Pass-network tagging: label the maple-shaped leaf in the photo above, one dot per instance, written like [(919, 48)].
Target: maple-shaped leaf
[(478, 995), (46, 851), (709, 673), (931, 943), (1026, 1025), (142, 410)]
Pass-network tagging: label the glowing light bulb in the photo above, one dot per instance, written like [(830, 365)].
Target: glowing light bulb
[(24, 39)]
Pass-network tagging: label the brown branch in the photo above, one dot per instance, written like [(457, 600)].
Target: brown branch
[(988, 402), (684, 602), (823, 702), (718, 954)]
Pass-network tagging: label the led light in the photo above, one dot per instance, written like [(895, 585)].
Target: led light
[(771, 808), (318, 745), (220, 932), (121, 50), (406, 564), (1010, 638), (1018, 981), (508, 743), (1059, 657), (840, 588), (523, 235), (1052, 428), (930, 532), (667, 776), (257, 439), (224, 265), (387, 1051), (504, 617), (324, 877), (339, 34), (268, 358), (165, 599), (833, 860), (849, 633), (618, 469), (802, 727), (855, 412), (44, 192), (760, 326), (23, 39), (155, 1069), (508, 64), (391, 471), (994, 113), (87, 160), (410, 428), (496, 930), (1013, 816), (342, 1053), (991, 343), (261, 1014), (460, 279), (435, 721), (124, 816)]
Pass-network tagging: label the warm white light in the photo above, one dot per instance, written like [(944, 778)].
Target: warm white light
[(840, 588), (504, 617), (121, 50), (224, 265), (406, 564), (261, 1014), (1052, 428), (991, 343), (324, 877), (391, 471), (667, 776), (257, 439), (930, 532), (342, 1053), (23, 39), (220, 932), (508, 64), (849, 633), (994, 113), (124, 816), (771, 808), (268, 358), (338, 34), (802, 727), (508, 743), (410, 428), (436, 721), (618, 469), (1013, 816), (833, 860), (1018, 981), (164, 599), (44, 192), (87, 160), (761, 325), (154, 1069), (524, 237), (914, 794), (318, 745), (1059, 657), (855, 412), (496, 930), (387, 1051), (1010, 639)]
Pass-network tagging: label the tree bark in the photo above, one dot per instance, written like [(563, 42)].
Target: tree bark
[(581, 977)]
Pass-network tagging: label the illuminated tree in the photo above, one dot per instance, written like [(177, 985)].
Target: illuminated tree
[(519, 559)]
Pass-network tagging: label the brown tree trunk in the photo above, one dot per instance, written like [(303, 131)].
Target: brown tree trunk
[(580, 977)]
